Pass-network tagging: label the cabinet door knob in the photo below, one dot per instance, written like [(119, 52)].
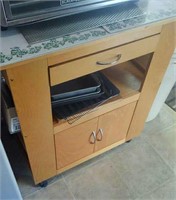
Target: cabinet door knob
[(100, 135), (110, 63), (92, 139)]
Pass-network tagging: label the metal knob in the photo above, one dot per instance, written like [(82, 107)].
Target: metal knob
[(110, 63), (100, 135), (92, 138)]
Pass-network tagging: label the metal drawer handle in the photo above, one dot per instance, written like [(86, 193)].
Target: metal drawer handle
[(93, 135), (101, 134), (110, 63)]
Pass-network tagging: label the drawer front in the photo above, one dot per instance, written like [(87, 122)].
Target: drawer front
[(92, 63), (75, 143)]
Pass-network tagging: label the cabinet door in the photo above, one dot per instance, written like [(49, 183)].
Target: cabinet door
[(75, 143), (113, 126)]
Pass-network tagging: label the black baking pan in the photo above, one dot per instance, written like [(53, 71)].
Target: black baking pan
[(77, 87), (78, 98), (109, 91)]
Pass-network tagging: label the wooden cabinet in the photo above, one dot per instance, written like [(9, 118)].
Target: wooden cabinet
[(75, 143), (53, 147), (85, 139)]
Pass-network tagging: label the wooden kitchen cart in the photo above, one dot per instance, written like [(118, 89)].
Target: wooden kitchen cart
[(53, 147)]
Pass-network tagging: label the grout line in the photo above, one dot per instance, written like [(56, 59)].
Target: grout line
[(40, 188), (158, 132), (28, 195), (160, 186), (84, 165), (69, 189), (138, 195), (162, 158), (121, 178)]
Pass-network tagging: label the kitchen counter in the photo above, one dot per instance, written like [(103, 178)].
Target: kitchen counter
[(14, 48)]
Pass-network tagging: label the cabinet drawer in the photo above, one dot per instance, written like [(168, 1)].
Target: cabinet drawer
[(75, 143), (107, 58)]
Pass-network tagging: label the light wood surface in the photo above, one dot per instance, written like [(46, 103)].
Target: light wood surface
[(114, 126), (107, 107), (127, 78), (30, 90), (90, 156), (86, 65), (75, 143), (157, 68)]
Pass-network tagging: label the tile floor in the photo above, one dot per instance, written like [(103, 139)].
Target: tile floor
[(144, 169)]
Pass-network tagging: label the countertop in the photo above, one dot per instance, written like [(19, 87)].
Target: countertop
[(14, 48)]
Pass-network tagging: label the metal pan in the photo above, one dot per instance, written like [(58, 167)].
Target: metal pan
[(80, 86), (78, 98), (70, 112)]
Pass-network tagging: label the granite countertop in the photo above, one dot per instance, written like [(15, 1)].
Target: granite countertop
[(14, 48)]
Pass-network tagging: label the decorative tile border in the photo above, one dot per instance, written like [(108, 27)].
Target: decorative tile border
[(137, 21), (53, 44), (125, 24), (165, 9)]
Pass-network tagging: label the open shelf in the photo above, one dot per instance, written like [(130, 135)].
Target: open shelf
[(128, 78)]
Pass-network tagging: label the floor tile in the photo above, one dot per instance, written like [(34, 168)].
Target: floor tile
[(125, 146), (76, 170), (165, 119), (141, 168), (146, 197), (99, 181), (26, 185), (57, 190), (165, 144), (166, 192), (39, 195), (171, 99)]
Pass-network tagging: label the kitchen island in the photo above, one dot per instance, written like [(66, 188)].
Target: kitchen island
[(31, 70)]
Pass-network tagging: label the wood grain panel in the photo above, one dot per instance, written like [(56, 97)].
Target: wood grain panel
[(88, 64), (74, 143), (90, 156), (124, 76), (30, 89), (107, 107), (114, 126), (157, 69)]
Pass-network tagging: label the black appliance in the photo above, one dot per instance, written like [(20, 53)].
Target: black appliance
[(21, 12)]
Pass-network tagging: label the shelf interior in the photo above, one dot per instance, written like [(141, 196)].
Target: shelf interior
[(128, 78)]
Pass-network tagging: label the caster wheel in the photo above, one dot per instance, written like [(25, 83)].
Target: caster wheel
[(4, 28), (43, 184), (128, 141)]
